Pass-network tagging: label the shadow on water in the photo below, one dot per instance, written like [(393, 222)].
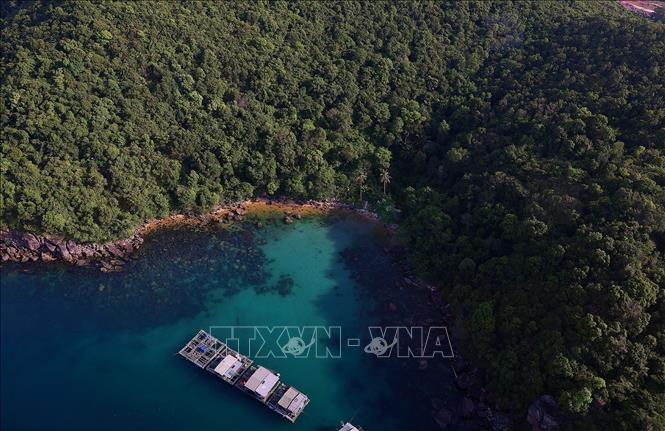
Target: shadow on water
[(381, 385)]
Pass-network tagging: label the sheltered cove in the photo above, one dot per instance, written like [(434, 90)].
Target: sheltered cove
[(275, 213)]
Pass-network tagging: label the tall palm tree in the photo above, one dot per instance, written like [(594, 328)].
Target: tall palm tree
[(385, 179), (362, 176)]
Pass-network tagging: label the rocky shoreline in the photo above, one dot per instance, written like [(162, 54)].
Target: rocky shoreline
[(415, 303), (17, 246), (420, 304), (26, 247)]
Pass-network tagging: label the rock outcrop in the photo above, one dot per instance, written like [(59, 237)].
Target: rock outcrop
[(544, 414), (25, 247), (441, 414)]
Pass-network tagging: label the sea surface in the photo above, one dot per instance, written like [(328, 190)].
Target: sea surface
[(84, 350)]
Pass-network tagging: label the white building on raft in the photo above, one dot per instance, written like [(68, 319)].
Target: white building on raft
[(293, 401), (262, 382), (229, 367)]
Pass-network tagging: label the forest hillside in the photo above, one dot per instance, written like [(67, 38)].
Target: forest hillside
[(524, 143)]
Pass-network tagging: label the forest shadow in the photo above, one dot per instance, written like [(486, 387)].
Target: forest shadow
[(376, 281)]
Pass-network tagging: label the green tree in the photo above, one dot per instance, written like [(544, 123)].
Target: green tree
[(385, 179)]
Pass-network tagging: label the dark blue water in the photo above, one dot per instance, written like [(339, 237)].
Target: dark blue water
[(82, 350)]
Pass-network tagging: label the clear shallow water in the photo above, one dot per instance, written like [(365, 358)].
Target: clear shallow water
[(81, 349)]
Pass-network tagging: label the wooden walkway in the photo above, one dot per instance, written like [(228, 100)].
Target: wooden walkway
[(210, 354)]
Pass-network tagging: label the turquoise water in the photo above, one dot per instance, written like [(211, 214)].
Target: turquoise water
[(81, 349)]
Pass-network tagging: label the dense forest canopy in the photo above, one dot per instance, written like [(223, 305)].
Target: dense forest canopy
[(524, 142)]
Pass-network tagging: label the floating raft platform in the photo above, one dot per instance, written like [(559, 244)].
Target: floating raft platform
[(236, 369)]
